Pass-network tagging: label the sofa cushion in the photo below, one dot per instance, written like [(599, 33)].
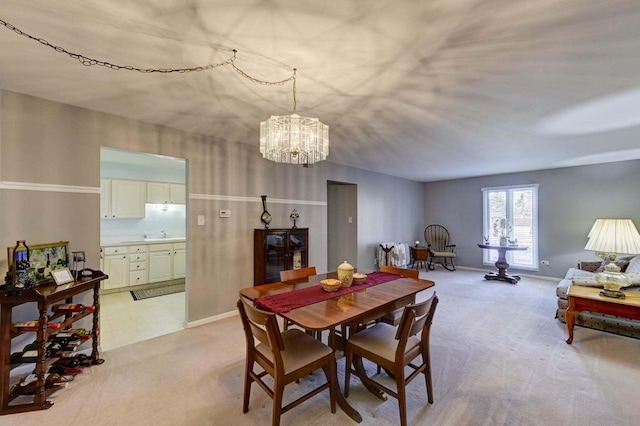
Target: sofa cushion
[(585, 281), (575, 272)]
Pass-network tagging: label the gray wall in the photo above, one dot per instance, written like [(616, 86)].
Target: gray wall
[(569, 201), (50, 143)]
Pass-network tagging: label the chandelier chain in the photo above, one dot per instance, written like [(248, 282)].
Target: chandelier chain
[(87, 61)]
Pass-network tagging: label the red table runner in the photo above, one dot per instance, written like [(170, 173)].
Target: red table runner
[(284, 302)]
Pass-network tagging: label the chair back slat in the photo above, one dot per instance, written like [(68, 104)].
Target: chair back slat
[(407, 273), (436, 237), (296, 274), (262, 325), (416, 318)]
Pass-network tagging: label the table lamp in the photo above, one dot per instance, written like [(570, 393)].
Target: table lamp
[(608, 238)]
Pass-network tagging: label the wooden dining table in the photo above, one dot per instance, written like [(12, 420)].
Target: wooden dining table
[(353, 309)]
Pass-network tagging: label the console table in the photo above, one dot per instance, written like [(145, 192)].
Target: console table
[(501, 263)]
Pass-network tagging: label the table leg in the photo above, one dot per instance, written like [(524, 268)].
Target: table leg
[(570, 318), (340, 399)]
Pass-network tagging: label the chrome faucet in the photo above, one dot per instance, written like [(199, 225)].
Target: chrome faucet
[(164, 234)]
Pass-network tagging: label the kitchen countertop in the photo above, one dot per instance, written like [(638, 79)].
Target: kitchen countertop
[(143, 241)]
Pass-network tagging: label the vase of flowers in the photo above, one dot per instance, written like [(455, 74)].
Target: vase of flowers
[(417, 243), (502, 228)]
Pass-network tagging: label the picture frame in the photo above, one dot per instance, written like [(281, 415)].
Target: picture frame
[(62, 276), (55, 254)]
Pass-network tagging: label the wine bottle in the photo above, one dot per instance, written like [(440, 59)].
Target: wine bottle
[(72, 307), (51, 381), (32, 355), (32, 326), (61, 369), (67, 362)]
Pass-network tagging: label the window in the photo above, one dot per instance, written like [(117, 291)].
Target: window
[(519, 206)]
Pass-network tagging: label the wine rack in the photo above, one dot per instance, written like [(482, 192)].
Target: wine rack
[(43, 296)]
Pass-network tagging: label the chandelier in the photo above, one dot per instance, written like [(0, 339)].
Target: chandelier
[(294, 139)]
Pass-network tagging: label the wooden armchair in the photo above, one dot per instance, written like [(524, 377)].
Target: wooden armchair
[(441, 251), (286, 356)]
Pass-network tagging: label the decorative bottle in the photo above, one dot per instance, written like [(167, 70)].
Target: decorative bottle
[(265, 218), (23, 276), (72, 307)]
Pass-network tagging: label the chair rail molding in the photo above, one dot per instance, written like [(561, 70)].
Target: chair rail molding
[(46, 187)]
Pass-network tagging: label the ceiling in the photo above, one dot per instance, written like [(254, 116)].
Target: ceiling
[(429, 90)]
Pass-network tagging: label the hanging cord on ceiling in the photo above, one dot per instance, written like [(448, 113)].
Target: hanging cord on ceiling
[(86, 61)]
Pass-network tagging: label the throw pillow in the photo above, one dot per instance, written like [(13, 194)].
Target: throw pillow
[(575, 272), (635, 278), (621, 262), (634, 266)]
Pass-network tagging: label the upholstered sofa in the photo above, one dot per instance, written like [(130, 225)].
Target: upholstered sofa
[(583, 275)]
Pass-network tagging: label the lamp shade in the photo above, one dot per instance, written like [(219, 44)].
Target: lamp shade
[(614, 236)]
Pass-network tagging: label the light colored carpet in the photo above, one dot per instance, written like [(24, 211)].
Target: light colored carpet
[(499, 358)]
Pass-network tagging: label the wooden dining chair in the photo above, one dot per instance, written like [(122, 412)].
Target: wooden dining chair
[(286, 357), (441, 251), (289, 275), (393, 318), (393, 349), (296, 274)]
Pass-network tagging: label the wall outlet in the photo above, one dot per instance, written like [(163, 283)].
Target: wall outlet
[(225, 213), (544, 262)]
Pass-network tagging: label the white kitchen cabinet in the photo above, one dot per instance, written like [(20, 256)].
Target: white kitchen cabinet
[(165, 193), (105, 198), (121, 199), (160, 262), (178, 193), (179, 260), (138, 257), (116, 265)]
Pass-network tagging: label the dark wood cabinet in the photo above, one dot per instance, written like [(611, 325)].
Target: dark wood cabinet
[(276, 250), (43, 297)]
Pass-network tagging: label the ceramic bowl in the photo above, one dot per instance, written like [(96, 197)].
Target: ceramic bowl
[(331, 284), (359, 278)]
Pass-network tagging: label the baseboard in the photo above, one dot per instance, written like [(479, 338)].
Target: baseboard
[(214, 318)]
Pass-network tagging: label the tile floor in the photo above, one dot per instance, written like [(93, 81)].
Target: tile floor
[(124, 321)]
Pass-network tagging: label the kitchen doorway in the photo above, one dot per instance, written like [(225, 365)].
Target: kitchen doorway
[(342, 223), (143, 246)]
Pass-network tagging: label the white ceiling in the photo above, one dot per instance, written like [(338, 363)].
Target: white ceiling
[(426, 90)]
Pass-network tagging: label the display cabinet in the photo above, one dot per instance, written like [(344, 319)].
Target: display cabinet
[(42, 297), (276, 250)]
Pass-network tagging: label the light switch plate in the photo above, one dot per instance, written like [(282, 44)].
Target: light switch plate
[(200, 220), (225, 213)]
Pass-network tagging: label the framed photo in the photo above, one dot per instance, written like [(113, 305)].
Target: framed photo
[(62, 276), (45, 258)]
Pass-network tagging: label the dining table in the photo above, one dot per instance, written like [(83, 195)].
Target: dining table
[(304, 303)]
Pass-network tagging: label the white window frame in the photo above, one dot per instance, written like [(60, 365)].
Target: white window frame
[(489, 257)]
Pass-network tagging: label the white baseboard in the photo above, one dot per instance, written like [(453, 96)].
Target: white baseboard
[(214, 318)]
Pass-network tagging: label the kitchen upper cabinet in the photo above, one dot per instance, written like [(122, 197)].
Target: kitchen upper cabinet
[(165, 193), (121, 199)]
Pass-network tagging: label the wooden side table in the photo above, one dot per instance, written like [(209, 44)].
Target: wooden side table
[(501, 263), (420, 255), (589, 299)]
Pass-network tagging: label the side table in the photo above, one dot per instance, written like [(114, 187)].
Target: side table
[(420, 255), (589, 299), (501, 263)]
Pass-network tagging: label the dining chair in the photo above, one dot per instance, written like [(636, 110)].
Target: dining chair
[(286, 357), (289, 275), (393, 349), (437, 238), (393, 318), (296, 274)]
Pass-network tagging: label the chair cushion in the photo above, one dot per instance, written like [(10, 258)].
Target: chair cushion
[(380, 339), (443, 253), (300, 349), (393, 318)]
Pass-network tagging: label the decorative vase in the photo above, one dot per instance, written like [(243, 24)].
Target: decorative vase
[(503, 241), (345, 274), (265, 218)]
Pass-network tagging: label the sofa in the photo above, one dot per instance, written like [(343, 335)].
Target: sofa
[(584, 275)]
